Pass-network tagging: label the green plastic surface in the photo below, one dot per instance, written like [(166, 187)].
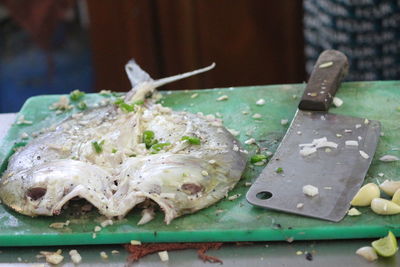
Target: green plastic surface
[(227, 220)]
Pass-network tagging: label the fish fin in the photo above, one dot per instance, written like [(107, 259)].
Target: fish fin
[(163, 81), (135, 74)]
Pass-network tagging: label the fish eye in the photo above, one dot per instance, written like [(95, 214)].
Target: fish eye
[(36, 192)]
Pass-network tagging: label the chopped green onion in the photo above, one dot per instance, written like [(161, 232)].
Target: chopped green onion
[(76, 95), (258, 158), (148, 139), (398, 108), (82, 105), (191, 140), (159, 146), (127, 107), (138, 102), (279, 170), (114, 150), (132, 155), (98, 147)]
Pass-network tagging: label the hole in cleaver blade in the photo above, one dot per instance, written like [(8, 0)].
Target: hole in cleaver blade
[(338, 173)]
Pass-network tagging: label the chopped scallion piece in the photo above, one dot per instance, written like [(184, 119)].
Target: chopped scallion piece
[(98, 147), (127, 107), (114, 150), (76, 95), (279, 170), (159, 146), (257, 158), (82, 105), (192, 140), (139, 102), (148, 139)]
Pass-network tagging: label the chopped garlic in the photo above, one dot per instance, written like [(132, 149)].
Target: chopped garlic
[(75, 256), (211, 161), (233, 197), (59, 225), (163, 255), (284, 121), (136, 242), (339, 135), (147, 216), (256, 116), (21, 120), (299, 252), (103, 255), (299, 205), (61, 105), (24, 135), (351, 143), (247, 184), (260, 102), (299, 132), (306, 151), (222, 98), (204, 173), (53, 257), (337, 101), (245, 112), (366, 121), (106, 223), (381, 174), (389, 158), (233, 132), (114, 252), (364, 155), (250, 141), (194, 95), (310, 190), (235, 148), (358, 126), (97, 228), (353, 212)]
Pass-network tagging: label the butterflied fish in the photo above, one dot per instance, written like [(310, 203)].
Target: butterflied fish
[(118, 156)]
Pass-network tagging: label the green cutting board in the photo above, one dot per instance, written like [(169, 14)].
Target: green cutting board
[(227, 220)]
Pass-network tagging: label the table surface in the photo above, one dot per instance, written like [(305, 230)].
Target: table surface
[(325, 253)]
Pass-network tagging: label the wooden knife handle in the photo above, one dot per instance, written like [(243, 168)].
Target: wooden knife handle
[(325, 79)]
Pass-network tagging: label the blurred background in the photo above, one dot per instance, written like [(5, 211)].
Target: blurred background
[(50, 46)]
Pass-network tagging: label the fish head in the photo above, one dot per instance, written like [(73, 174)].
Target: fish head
[(43, 190), (19, 192)]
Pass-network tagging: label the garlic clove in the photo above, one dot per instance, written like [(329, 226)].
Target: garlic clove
[(365, 195), (384, 207), (390, 187), (396, 197), (367, 253)]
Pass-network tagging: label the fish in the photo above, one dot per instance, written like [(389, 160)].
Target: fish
[(123, 155)]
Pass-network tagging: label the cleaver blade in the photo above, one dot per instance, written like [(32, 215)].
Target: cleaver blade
[(338, 173)]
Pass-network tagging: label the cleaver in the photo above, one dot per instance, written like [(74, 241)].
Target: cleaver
[(331, 153)]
